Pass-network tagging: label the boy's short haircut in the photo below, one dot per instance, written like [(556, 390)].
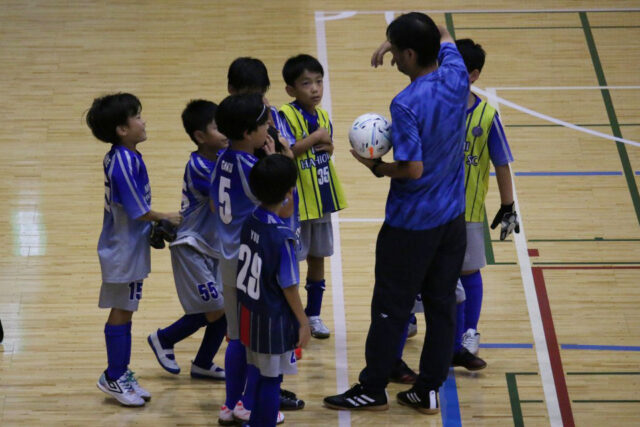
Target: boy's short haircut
[(472, 54), (248, 74), (416, 31), (197, 115), (296, 65), (110, 111), (238, 114), (272, 177)]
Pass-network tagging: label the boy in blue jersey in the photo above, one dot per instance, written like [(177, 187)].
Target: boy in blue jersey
[(421, 245), (123, 247), (319, 189), (249, 75), (195, 253), (272, 321), (243, 119)]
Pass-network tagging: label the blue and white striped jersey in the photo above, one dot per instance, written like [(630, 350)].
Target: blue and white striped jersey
[(123, 247), (232, 197), (198, 227)]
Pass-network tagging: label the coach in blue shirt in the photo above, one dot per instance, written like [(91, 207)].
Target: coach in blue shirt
[(421, 244)]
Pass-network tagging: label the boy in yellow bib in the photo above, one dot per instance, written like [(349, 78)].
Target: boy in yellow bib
[(319, 189)]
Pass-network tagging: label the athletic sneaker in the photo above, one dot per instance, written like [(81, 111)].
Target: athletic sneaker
[(225, 417), (468, 360), (471, 341), (165, 356), (357, 397), (318, 328), (240, 414), (289, 401), (402, 374), (412, 331), (215, 372), (421, 400), (137, 387), (121, 389)]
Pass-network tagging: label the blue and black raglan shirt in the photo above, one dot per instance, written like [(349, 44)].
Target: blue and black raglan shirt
[(428, 119), (318, 185), (266, 265), (485, 140), (198, 226), (232, 197), (123, 247)]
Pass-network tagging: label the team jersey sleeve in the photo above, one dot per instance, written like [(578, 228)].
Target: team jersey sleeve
[(452, 69), (499, 150), (405, 136), (288, 273), (129, 190), (200, 175), (245, 165)]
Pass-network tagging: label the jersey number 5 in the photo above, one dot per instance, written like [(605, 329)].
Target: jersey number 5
[(252, 264), (225, 200)]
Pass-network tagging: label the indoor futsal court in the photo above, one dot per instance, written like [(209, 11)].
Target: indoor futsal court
[(560, 322)]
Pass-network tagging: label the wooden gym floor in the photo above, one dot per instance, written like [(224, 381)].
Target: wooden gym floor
[(560, 324)]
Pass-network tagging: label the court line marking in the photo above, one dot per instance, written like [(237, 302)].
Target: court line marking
[(337, 288), (533, 306)]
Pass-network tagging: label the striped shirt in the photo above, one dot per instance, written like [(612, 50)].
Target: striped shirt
[(123, 247)]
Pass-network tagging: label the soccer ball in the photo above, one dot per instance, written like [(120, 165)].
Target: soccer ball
[(370, 136)]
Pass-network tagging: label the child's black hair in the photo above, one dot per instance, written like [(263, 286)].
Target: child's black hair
[(110, 111), (272, 177), (296, 65), (238, 114), (197, 115), (248, 74), (416, 31), (472, 53)]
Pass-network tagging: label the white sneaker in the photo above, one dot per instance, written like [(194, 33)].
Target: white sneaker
[(471, 341), (215, 372), (243, 415), (121, 389), (165, 357), (225, 417), (318, 328), (137, 387)]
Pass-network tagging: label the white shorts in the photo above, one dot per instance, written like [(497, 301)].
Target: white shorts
[(229, 270), (197, 280), (273, 365), (316, 238), (124, 296), (474, 257)]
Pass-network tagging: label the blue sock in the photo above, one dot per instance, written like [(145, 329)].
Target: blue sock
[(213, 336), (180, 329), (235, 366), (265, 412), (473, 289), (403, 341), (250, 390), (128, 360), (457, 347), (116, 339), (314, 297)]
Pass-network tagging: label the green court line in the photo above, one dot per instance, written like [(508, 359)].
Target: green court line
[(514, 397), (448, 17), (613, 119)]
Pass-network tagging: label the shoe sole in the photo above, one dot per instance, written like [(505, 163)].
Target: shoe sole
[(206, 377), (427, 411), (320, 335), (292, 408), (153, 347), (364, 408), (127, 404)]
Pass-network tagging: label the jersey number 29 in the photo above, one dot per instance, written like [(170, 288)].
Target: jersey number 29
[(249, 275)]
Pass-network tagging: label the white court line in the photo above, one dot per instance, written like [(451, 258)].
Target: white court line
[(542, 352), (343, 14), (565, 88), (339, 320), (489, 94)]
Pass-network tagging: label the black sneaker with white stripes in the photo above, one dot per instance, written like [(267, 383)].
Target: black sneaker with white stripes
[(357, 397), (425, 401)]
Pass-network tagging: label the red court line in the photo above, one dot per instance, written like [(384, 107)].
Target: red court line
[(550, 332), (553, 348)]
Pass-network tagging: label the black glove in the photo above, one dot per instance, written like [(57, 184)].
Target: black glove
[(508, 220), (161, 231)]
